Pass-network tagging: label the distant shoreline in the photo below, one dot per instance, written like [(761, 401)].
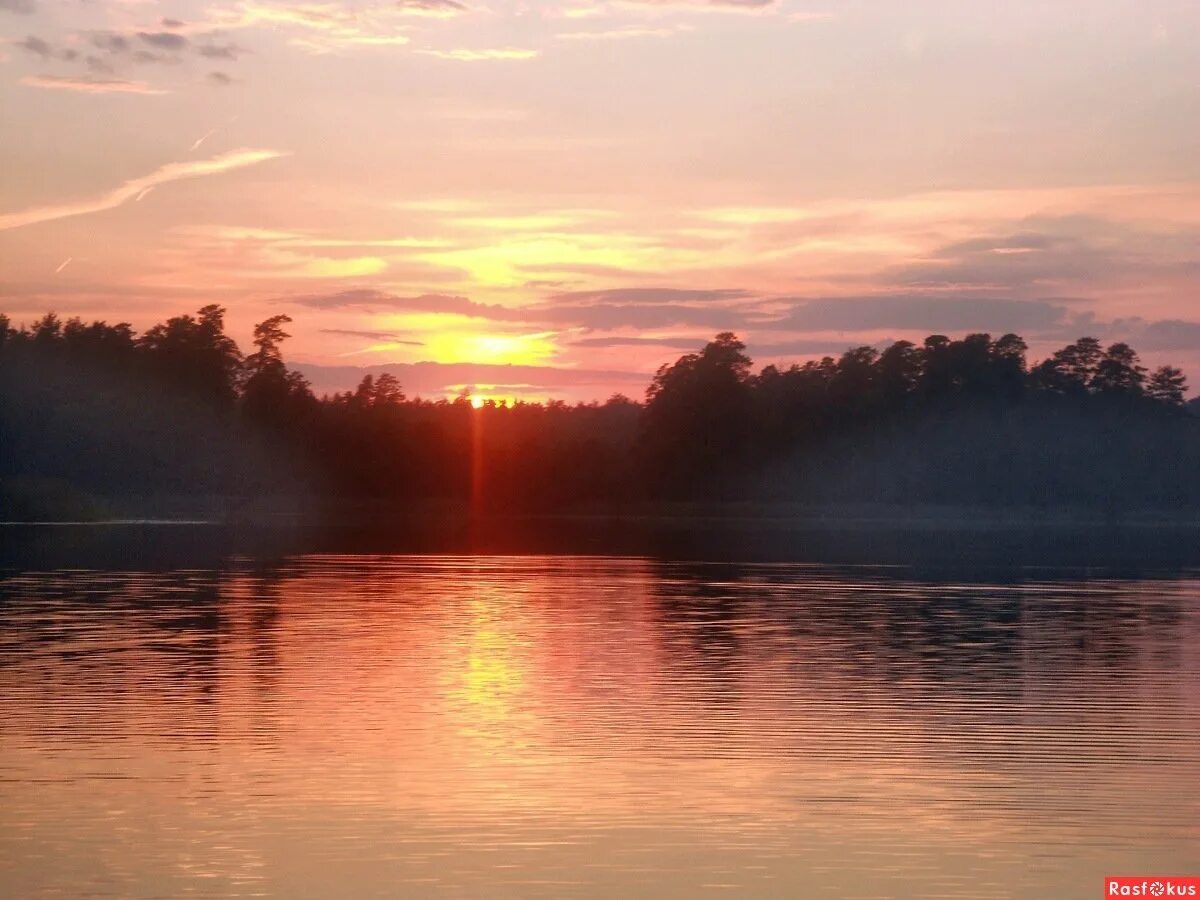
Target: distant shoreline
[(306, 513)]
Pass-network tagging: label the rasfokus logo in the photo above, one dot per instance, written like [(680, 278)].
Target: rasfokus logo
[(1151, 886)]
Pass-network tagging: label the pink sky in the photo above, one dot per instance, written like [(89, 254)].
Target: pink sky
[(552, 199)]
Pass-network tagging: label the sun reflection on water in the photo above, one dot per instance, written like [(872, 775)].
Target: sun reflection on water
[(525, 725)]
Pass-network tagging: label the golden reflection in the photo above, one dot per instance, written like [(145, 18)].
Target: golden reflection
[(368, 724), (493, 675)]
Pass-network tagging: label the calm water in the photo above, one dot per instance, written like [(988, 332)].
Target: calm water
[(348, 725)]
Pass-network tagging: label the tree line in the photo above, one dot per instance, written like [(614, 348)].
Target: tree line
[(98, 409)]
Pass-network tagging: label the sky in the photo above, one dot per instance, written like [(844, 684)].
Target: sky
[(549, 200)]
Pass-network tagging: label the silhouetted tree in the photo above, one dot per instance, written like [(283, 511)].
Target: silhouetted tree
[(47, 330), (1167, 385), (272, 394), (195, 356), (937, 376), (852, 387), (1118, 372), (898, 371), (697, 416), (1009, 370), (1072, 369), (96, 406)]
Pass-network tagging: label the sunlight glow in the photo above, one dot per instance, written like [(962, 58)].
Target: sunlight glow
[(516, 349), (513, 260)]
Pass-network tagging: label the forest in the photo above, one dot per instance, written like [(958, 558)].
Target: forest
[(96, 419)]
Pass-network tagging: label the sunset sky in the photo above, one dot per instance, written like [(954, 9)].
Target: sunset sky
[(586, 189)]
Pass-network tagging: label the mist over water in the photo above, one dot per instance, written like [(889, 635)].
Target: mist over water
[(340, 724)]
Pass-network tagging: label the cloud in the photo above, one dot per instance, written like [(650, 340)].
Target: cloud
[(1052, 253), (327, 27), (617, 34), (45, 50), (448, 304), (234, 159), (439, 9), (173, 23), (719, 5), (389, 336), (647, 295), (89, 85), (605, 316), (145, 57), (921, 312), (97, 64), (221, 51), (599, 316), (114, 49), (497, 53), (219, 78), (607, 343), (37, 47), (21, 7), (163, 40), (1165, 334), (111, 42)]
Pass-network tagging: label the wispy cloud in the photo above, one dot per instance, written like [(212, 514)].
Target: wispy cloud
[(389, 336), (716, 5), (87, 85), (371, 299), (638, 295), (221, 51), (618, 34), (609, 343), (200, 140), (176, 171), (38, 47), (163, 40), (921, 312), (437, 9), (327, 27), (494, 53)]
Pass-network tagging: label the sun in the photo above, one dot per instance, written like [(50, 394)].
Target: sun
[(477, 401)]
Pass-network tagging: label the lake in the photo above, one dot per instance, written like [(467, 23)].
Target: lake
[(190, 715)]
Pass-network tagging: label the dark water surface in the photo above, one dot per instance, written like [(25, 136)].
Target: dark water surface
[(182, 716)]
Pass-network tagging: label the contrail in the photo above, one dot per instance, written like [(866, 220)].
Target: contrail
[(226, 162), (204, 137), (143, 194), (62, 265), (200, 140)]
